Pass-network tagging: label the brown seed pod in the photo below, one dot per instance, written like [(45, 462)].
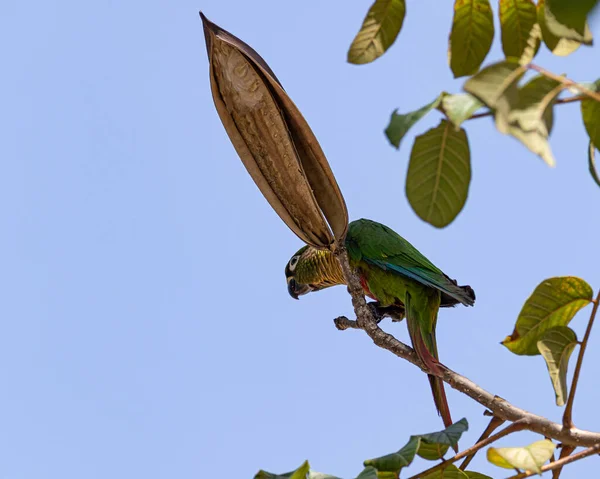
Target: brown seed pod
[(274, 141)]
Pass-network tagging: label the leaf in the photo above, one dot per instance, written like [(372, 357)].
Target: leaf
[(497, 87), (592, 163), (319, 475), (378, 31), (299, 473), (368, 473), (529, 458), (533, 45), (459, 107), (517, 18), (439, 173), (395, 461), (553, 303), (471, 36), (590, 113), (273, 140), (568, 19), (433, 451), (557, 45), (531, 119), (556, 346), (476, 475), (401, 123), (449, 472), (449, 436)]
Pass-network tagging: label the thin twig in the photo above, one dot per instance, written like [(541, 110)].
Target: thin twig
[(494, 424), (560, 101), (564, 452), (565, 81), (517, 426), (499, 406), (568, 415), (561, 462)]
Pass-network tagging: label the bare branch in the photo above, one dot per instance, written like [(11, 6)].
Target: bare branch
[(494, 424), (565, 81), (499, 406), (568, 415), (561, 462)]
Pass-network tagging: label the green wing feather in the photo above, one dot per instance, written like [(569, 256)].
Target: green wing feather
[(380, 246)]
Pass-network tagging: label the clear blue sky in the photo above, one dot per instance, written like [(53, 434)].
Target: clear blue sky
[(146, 329)]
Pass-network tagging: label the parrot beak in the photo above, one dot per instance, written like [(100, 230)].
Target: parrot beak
[(295, 290)]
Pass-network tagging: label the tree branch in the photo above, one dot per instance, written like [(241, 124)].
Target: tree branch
[(565, 81), (517, 426), (499, 406), (561, 462), (494, 424), (568, 415)]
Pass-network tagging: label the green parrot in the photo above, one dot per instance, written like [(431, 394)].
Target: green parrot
[(400, 280)]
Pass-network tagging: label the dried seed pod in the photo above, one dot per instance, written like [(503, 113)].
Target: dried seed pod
[(274, 141)]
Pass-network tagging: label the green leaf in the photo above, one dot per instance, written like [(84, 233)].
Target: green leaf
[(439, 173), (433, 451), (590, 112), (553, 303), (529, 458), (459, 107), (368, 473), (568, 19), (517, 18), (449, 436), (556, 44), (395, 461), (592, 163), (299, 473), (471, 36), (497, 87), (449, 472), (476, 475), (556, 346), (530, 120), (320, 475), (401, 123), (378, 32)]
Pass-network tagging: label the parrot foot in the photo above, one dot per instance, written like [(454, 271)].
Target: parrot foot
[(396, 313)]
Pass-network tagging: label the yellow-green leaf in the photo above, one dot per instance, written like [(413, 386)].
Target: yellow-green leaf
[(592, 163), (558, 45), (395, 461), (320, 475), (590, 112), (433, 451), (471, 36), (553, 303), (529, 458), (379, 30), (401, 123), (497, 87), (459, 107), (530, 120), (517, 18), (439, 173), (568, 19), (476, 475), (556, 346), (299, 473)]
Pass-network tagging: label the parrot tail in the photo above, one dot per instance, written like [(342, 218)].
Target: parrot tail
[(441, 403)]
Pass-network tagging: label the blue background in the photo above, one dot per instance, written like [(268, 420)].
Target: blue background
[(146, 330)]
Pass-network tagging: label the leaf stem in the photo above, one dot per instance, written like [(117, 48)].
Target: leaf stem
[(565, 81), (494, 424), (560, 101), (561, 462), (568, 415), (514, 427)]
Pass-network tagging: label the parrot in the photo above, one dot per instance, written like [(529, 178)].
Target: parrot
[(400, 280)]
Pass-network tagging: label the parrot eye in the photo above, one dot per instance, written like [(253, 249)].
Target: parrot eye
[(294, 262)]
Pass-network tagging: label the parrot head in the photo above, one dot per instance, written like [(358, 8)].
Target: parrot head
[(311, 269)]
